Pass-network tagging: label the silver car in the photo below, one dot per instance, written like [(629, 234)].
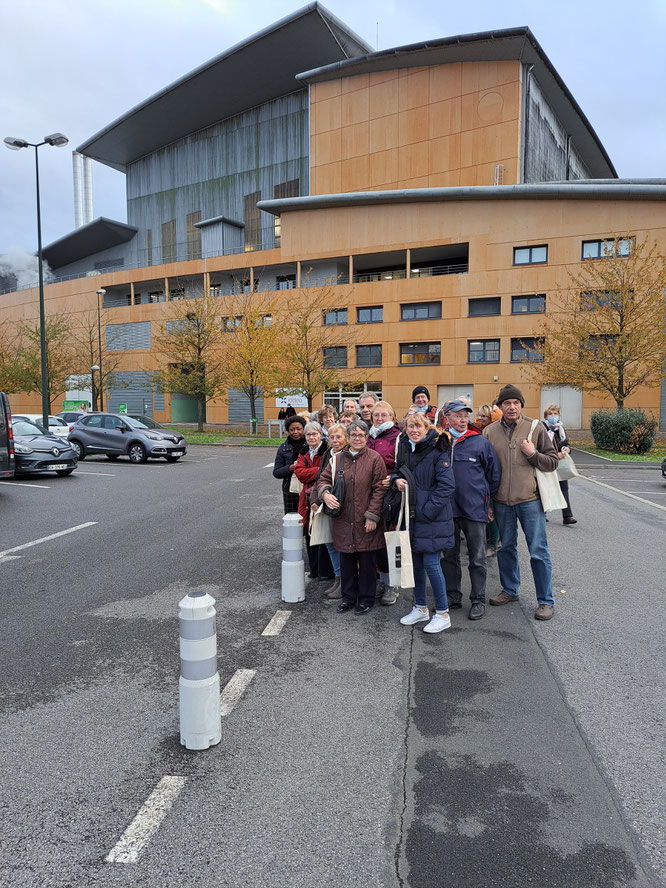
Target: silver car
[(115, 434)]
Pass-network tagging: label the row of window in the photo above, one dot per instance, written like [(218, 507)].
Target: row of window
[(425, 311), (479, 351), (592, 249)]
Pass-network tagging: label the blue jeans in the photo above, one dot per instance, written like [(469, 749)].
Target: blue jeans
[(533, 522), (334, 555), (428, 562)]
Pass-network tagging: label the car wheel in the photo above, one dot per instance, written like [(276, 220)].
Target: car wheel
[(63, 472), (78, 449), (137, 453), (112, 456), (172, 458)]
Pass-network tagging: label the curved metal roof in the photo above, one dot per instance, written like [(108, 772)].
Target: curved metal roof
[(508, 44), (258, 69), (100, 234), (580, 189)]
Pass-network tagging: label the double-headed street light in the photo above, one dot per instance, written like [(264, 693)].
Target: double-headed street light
[(100, 298), (58, 140)]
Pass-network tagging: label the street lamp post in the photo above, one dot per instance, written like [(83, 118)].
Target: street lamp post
[(100, 294), (57, 140)]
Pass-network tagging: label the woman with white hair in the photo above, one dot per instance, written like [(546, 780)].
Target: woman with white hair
[(307, 469)]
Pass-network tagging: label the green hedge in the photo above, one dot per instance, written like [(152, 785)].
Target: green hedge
[(623, 430)]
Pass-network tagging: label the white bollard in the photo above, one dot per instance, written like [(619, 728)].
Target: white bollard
[(199, 685), (293, 569)]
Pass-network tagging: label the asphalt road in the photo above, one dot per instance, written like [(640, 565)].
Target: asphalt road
[(361, 753)]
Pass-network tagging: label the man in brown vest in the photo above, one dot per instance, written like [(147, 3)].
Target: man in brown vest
[(518, 499)]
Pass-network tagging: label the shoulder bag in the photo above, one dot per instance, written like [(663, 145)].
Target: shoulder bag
[(337, 485), (548, 483)]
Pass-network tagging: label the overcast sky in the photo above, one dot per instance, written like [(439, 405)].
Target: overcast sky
[(73, 66)]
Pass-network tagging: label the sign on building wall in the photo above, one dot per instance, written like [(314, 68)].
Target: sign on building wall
[(297, 399)]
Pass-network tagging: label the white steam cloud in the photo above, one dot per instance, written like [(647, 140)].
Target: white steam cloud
[(19, 265)]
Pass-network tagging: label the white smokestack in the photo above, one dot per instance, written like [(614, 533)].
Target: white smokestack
[(87, 189), (78, 196)]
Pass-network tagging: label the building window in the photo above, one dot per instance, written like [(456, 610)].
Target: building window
[(149, 246), (530, 255), (157, 296), (420, 311), (528, 304), (491, 305), (336, 316), (215, 290), (420, 352), (252, 219), (169, 241), (373, 314), (609, 246), (600, 346), (177, 294), (280, 191), (600, 299), (230, 324), (335, 356), (368, 356), (193, 235), (286, 281), (529, 348), (483, 351)]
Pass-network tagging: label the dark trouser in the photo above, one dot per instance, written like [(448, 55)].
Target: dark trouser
[(357, 577), (290, 501), (475, 535), (564, 487), (381, 557), (319, 560)]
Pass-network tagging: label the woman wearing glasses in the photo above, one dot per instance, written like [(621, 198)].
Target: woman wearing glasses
[(358, 531), (307, 469)]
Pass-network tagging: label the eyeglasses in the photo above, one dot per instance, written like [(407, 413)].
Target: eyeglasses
[(357, 435), (312, 434)]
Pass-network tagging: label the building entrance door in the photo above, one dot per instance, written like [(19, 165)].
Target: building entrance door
[(451, 392), (569, 400)]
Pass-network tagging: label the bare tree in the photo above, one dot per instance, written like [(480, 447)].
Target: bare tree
[(605, 332), (86, 336)]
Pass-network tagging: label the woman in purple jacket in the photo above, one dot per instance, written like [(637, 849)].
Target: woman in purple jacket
[(382, 439)]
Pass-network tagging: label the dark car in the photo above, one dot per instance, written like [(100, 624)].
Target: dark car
[(116, 434), (663, 469), (7, 461), (37, 451)]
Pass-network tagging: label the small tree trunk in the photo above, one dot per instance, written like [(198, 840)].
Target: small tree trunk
[(253, 411), (200, 414)]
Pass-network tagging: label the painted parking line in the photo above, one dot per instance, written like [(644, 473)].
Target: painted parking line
[(35, 486), (269, 465), (624, 493), (52, 536), (105, 474), (147, 821), (235, 688), (276, 625)]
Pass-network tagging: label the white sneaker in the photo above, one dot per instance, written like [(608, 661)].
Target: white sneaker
[(439, 623), (416, 615)]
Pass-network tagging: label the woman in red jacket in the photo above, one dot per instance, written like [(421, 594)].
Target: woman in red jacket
[(307, 469), (383, 436)]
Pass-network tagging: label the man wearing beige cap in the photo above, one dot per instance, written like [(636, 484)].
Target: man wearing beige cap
[(517, 499)]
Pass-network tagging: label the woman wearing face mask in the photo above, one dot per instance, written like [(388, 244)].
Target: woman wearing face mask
[(383, 434), (285, 459), (558, 436), (427, 454)]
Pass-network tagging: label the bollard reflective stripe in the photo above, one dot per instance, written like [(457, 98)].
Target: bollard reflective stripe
[(293, 573), (199, 684)]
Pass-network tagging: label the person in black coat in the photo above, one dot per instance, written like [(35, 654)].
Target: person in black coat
[(556, 433), (427, 455), (285, 459)]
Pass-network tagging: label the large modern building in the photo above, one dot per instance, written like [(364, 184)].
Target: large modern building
[(446, 189)]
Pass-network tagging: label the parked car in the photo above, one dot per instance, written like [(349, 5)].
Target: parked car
[(57, 425), (115, 434), (663, 469), (72, 416), (38, 451), (7, 459)]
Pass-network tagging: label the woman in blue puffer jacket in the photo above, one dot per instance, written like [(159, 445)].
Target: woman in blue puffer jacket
[(427, 455)]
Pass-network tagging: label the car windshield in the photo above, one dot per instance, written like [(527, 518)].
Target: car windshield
[(147, 422), (135, 423), (25, 427)]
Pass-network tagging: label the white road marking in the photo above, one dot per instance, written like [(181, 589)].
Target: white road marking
[(36, 486), (269, 465), (223, 456), (147, 821), (4, 558), (617, 490), (277, 623), (105, 474), (233, 691), (51, 536)]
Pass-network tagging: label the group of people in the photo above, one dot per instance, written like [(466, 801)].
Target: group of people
[(460, 478)]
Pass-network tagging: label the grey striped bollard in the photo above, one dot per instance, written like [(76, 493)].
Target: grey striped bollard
[(199, 685), (293, 569)]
